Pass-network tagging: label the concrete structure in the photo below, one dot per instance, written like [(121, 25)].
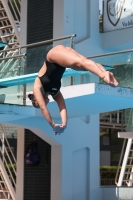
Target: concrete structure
[(82, 18), (75, 153)]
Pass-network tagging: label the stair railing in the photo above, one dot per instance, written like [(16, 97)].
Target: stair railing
[(15, 9), (12, 12), (120, 161), (8, 158), (12, 66), (125, 175), (4, 192)]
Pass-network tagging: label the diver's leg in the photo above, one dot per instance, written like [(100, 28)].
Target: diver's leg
[(64, 57)]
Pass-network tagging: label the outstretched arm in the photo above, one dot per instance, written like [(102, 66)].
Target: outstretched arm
[(39, 97), (62, 107)]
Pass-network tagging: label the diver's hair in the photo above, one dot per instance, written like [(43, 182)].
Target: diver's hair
[(31, 97)]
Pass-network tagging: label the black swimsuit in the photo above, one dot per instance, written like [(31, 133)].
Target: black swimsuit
[(51, 80)]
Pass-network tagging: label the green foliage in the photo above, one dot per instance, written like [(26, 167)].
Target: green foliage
[(10, 167), (109, 172)]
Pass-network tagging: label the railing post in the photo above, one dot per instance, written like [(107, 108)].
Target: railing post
[(72, 42), (24, 86), (71, 80), (24, 94), (123, 168), (3, 147)]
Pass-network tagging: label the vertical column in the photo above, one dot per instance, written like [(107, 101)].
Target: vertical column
[(56, 169), (23, 24), (58, 19), (20, 164)]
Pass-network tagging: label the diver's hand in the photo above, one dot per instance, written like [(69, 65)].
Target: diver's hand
[(58, 129)]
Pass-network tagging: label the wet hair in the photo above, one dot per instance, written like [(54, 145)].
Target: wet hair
[(32, 98)]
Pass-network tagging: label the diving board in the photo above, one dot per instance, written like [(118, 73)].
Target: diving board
[(29, 78), (81, 100)]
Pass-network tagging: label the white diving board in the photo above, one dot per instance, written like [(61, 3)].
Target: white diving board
[(29, 78)]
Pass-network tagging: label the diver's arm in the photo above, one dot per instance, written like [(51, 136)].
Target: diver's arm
[(62, 107), (40, 100)]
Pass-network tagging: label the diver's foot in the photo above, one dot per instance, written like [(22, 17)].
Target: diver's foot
[(110, 79)]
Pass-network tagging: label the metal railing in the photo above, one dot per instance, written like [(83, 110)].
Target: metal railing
[(41, 43), (11, 57), (112, 119), (120, 161), (107, 182), (110, 54), (20, 52), (12, 10), (8, 158), (15, 9), (58, 39), (4, 192), (71, 45), (127, 145)]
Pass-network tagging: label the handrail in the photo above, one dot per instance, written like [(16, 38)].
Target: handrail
[(10, 173), (48, 41), (122, 151), (61, 38), (4, 160), (109, 54), (39, 43), (11, 15), (120, 161), (3, 186), (13, 8), (8, 145), (17, 56)]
